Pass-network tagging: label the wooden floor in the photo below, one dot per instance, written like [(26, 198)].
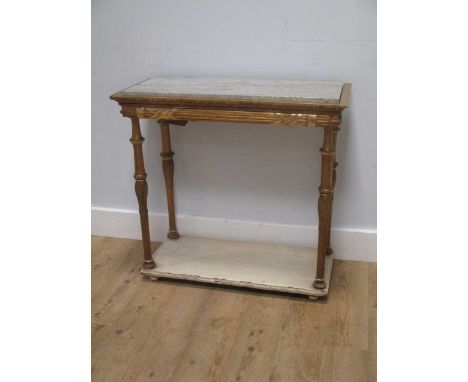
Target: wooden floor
[(179, 331)]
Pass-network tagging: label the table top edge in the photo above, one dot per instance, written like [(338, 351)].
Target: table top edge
[(225, 101)]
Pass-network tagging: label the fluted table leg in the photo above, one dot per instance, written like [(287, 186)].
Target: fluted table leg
[(141, 190), (168, 170), (327, 152)]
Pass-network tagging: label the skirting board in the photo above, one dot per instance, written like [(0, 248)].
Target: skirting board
[(348, 244)]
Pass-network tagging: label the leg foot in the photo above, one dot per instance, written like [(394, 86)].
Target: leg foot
[(319, 284), (313, 298), (173, 235), (149, 264)]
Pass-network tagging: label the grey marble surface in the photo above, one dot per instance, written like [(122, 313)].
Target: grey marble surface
[(326, 91)]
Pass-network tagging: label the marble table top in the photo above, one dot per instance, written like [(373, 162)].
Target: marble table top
[(250, 89)]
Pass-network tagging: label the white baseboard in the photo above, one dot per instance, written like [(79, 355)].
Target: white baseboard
[(348, 244)]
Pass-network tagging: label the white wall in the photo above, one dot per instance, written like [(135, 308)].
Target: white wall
[(234, 171)]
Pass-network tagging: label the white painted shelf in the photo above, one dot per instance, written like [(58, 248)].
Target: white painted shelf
[(252, 265)]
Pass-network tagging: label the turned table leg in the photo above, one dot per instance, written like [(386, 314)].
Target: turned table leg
[(327, 152), (141, 189), (168, 170), (329, 249)]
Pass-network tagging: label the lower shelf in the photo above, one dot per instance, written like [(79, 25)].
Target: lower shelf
[(242, 264)]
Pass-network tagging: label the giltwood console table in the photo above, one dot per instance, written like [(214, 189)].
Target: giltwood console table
[(179, 100)]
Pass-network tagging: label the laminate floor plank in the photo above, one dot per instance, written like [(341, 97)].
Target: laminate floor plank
[(212, 338), (343, 319), (167, 333), (372, 303), (128, 334), (342, 364), (253, 352), (310, 330), (111, 299), (107, 260)]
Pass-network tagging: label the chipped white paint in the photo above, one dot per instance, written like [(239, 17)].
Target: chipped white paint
[(252, 265), (319, 91)]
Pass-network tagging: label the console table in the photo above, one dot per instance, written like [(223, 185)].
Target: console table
[(176, 101)]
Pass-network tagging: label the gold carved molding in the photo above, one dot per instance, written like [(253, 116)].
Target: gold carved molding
[(264, 117)]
